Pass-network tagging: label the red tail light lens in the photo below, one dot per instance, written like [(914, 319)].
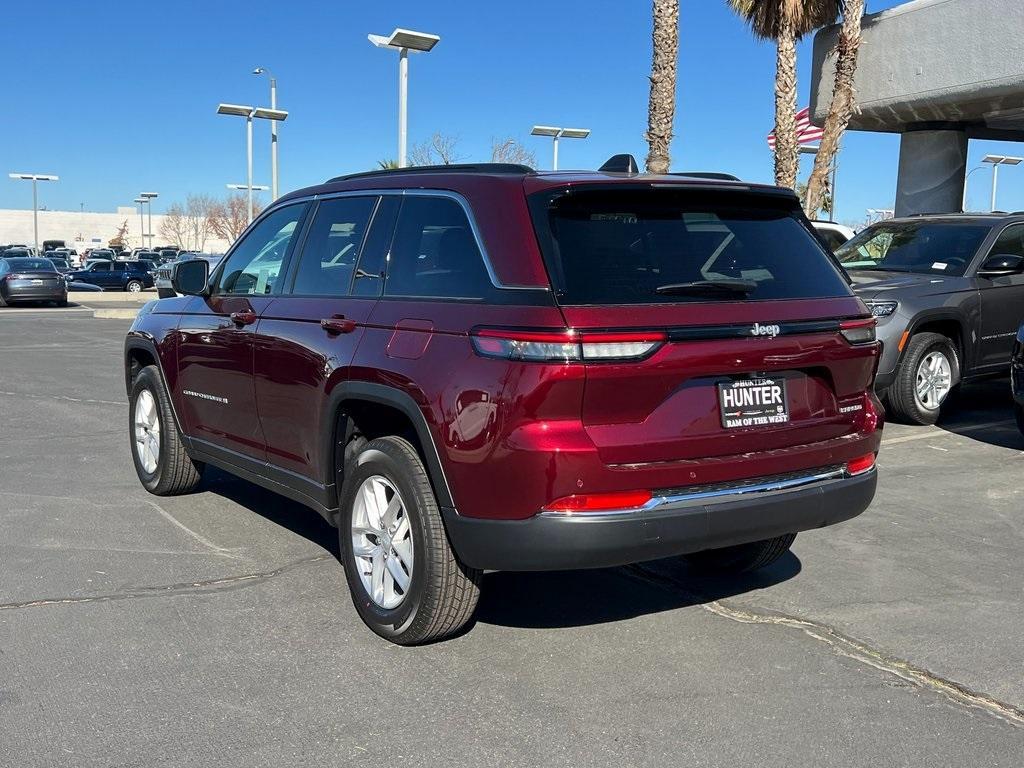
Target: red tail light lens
[(861, 465), (600, 502), (565, 346), (858, 331)]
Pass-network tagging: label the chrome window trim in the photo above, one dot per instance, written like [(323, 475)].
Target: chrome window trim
[(444, 193), (724, 494)]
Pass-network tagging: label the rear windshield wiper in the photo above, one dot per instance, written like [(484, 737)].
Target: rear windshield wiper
[(707, 288)]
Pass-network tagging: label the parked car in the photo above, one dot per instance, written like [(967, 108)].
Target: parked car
[(471, 368), (30, 279), (130, 276), (165, 272), (19, 252), (101, 254), (1017, 377), (832, 234), (948, 292), (60, 264)]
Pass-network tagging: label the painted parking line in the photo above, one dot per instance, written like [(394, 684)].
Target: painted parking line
[(934, 433)]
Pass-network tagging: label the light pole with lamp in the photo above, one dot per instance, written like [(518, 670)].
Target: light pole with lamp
[(963, 205), (142, 231), (273, 129), (996, 161), (403, 41), (34, 178), (557, 133), (148, 197), (249, 113)]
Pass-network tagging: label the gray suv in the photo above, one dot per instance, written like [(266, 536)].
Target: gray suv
[(948, 293)]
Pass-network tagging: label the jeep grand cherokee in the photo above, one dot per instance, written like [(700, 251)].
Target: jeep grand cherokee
[(486, 368)]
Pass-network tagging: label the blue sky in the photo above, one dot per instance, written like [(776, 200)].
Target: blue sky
[(121, 98)]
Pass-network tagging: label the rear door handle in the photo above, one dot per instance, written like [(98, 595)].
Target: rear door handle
[(245, 317), (338, 324)]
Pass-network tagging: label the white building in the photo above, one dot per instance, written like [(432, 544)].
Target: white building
[(87, 229)]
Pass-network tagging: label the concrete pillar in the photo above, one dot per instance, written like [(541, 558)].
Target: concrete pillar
[(931, 174)]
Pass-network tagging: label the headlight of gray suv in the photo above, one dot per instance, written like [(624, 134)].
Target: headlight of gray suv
[(882, 308)]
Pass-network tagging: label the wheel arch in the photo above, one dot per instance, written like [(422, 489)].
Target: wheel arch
[(140, 351), (375, 410), (952, 326)]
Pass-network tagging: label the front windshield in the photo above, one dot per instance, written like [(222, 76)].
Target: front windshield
[(929, 248)]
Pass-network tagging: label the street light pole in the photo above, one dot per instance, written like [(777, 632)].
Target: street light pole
[(142, 231), (556, 133), (273, 130), (148, 196), (34, 177), (249, 113), (996, 161), (404, 41), (963, 205)]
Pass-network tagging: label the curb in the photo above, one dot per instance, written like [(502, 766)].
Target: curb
[(115, 314)]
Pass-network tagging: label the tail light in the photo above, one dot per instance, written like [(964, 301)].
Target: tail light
[(858, 331), (566, 346), (860, 465), (599, 502)]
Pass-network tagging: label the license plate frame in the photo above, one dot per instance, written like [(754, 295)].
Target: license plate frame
[(752, 403)]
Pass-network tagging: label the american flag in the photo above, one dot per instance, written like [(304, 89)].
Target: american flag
[(806, 133)]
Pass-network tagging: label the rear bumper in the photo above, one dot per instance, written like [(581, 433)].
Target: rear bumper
[(18, 292), (672, 524)]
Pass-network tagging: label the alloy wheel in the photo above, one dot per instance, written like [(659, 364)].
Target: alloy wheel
[(147, 431), (934, 380), (382, 542), (134, 287)]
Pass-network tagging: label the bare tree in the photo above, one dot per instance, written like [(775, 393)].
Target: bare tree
[(512, 151), (440, 150), (230, 217), (661, 108), (172, 228), (191, 224)]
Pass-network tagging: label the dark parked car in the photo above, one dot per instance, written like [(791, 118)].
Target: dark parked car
[(60, 264), (131, 276), (486, 368), (948, 292), (28, 279), (104, 254)]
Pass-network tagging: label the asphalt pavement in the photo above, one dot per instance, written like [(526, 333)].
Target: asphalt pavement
[(216, 629)]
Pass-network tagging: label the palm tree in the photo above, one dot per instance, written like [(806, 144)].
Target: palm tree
[(661, 109), (785, 22), (842, 105)]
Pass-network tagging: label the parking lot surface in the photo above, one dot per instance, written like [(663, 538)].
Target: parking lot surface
[(216, 628)]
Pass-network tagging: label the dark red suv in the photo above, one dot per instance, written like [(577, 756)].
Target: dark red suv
[(476, 368)]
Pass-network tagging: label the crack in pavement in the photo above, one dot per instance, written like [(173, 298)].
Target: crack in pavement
[(205, 586), (847, 646), (63, 398)]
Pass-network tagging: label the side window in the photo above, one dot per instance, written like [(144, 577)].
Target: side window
[(119, 266), (255, 263), (102, 266), (1010, 242), (369, 279), (434, 252), (332, 246)]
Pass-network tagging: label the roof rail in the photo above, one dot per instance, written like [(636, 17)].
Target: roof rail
[(482, 168), (718, 175)]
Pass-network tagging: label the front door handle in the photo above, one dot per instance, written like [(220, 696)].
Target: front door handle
[(338, 324), (245, 317)]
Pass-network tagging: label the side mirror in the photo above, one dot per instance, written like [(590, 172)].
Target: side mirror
[(1001, 265), (190, 277)]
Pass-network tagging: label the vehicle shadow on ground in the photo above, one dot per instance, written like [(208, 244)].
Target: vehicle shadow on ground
[(536, 600), (984, 402), (583, 598)]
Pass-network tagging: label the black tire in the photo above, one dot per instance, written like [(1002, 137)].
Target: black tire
[(1018, 412), (130, 283), (742, 558), (442, 593), (903, 403), (175, 472)]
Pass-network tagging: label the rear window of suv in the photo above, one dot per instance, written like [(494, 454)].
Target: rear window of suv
[(646, 246)]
